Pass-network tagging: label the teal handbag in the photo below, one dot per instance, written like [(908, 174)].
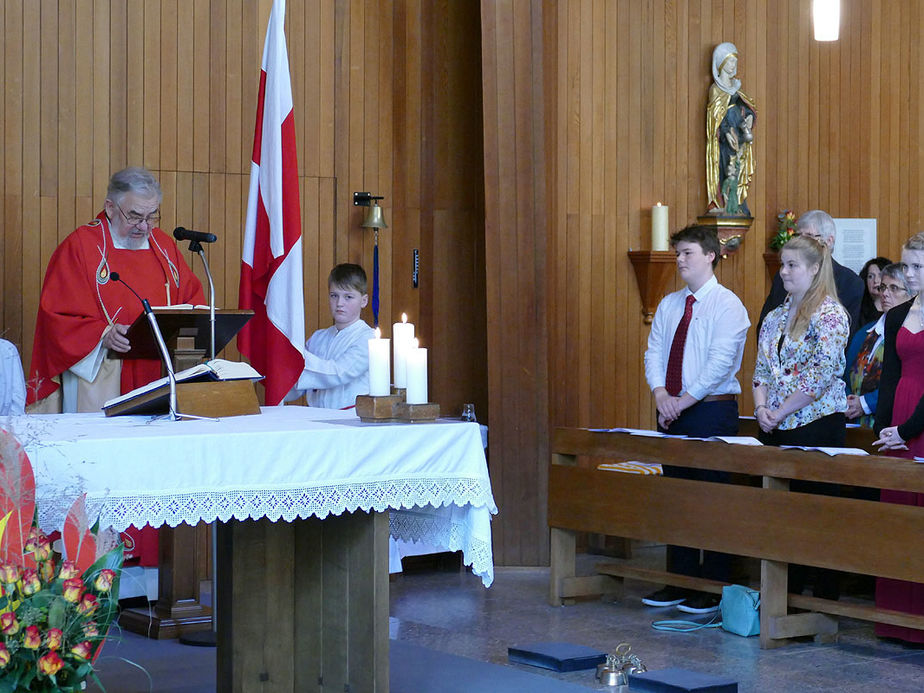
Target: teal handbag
[(740, 609)]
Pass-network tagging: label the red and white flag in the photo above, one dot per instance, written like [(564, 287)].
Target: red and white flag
[(271, 268)]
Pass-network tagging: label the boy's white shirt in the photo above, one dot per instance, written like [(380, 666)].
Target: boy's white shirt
[(336, 366)]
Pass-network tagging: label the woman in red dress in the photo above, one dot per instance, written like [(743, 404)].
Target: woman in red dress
[(900, 421)]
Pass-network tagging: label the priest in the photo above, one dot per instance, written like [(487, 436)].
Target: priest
[(84, 314)]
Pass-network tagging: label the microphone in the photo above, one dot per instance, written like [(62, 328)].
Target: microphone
[(182, 234)]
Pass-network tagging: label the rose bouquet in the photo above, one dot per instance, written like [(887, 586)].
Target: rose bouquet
[(55, 611), (786, 229)]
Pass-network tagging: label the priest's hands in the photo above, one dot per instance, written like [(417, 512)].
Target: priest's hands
[(114, 338)]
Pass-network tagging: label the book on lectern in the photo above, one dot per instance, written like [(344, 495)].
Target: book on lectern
[(152, 397)]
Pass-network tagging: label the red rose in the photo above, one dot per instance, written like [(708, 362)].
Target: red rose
[(32, 638), (8, 623), (53, 641), (73, 590), (30, 582), (82, 650), (88, 604), (104, 580), (50, 663)]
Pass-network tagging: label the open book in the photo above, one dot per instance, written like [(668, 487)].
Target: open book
[(140, 398), (182, 306)]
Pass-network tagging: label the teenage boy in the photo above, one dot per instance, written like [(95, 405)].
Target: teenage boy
[(693, 356), (337, 358)]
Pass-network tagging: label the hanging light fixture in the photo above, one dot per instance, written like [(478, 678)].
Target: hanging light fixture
[(826, 16), (373, 220)]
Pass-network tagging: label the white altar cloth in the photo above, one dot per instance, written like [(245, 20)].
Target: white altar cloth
[(289, 462)]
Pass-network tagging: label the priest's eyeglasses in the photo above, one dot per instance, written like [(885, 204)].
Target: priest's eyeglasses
[(134, 219)]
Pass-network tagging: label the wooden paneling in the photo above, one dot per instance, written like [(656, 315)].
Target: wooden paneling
[(839, 128), (96, 85)]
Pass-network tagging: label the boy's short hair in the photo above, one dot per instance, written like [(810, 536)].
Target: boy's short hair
[(348, 276), (705, 236)]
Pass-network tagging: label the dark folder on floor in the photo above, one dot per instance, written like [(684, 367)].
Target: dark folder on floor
[(557, 656), (676, 680)]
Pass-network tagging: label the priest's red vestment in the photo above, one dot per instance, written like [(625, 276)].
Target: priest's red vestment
[(79, 300)]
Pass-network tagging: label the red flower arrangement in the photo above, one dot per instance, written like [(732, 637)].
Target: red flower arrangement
[(54, 612)]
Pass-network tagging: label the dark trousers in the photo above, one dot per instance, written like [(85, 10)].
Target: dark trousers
[(702, 420), (828, 431)]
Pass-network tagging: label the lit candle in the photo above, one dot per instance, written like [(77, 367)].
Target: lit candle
[(416, 375), (379, 371), (401, 335), (659, 235)]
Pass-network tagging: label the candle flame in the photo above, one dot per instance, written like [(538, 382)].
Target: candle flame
[(403, 317), (659, 204), (378, 333)]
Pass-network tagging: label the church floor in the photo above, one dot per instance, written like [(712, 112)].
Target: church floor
[(450, 611)]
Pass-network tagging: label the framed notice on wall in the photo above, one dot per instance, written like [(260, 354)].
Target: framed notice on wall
[(855, 242)]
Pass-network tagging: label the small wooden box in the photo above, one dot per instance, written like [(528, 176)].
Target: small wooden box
[(376, 409), (417, 413)]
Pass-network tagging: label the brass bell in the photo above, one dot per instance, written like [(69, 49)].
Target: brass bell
[(374, 218)]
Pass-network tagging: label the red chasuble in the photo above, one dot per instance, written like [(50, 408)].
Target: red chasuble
[(79, 300)]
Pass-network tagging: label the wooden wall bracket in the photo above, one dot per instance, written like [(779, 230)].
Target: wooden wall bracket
[(653, 272)]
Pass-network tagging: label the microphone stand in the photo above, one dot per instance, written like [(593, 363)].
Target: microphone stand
[(168, 364), (196, 247)]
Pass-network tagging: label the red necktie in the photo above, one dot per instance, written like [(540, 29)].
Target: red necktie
[(674, 381)]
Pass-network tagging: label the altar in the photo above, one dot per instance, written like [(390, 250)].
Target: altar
[(302, 496)]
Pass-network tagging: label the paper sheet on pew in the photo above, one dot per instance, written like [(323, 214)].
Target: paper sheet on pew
[(732, 440), (828, 451), (636, 432)]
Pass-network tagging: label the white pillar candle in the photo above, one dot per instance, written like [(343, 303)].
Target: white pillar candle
[(379, 370), (416, 375), (401, 335), (659, 235)]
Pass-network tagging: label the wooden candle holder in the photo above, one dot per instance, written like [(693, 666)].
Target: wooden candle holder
[(377, 409), (417, 413)]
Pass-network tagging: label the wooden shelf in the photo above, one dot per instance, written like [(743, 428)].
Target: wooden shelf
[(653, 272)]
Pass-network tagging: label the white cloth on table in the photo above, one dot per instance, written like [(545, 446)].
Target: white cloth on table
[(715, 341), (336, 366), (288, 463), (12, 381)]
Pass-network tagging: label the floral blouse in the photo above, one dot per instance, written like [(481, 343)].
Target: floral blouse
[(812, 364)]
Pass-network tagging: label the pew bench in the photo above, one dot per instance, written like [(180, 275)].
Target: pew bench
[(769, 522)]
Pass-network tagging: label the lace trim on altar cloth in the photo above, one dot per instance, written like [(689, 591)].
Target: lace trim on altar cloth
[(430, 526), (317, 501)]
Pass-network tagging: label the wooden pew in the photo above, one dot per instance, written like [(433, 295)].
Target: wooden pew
[(767, 522)]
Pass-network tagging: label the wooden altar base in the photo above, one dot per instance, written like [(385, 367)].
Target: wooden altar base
[(303, 605)]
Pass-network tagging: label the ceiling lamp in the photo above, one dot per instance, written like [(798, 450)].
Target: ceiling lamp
[(826, 15)]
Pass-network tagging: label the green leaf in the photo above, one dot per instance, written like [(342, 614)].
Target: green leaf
[(57, 613)]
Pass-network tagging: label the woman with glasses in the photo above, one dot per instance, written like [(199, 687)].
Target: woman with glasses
[(864, 354), (900, 422)]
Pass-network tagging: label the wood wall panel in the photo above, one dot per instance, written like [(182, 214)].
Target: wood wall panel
[(839, 128)]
